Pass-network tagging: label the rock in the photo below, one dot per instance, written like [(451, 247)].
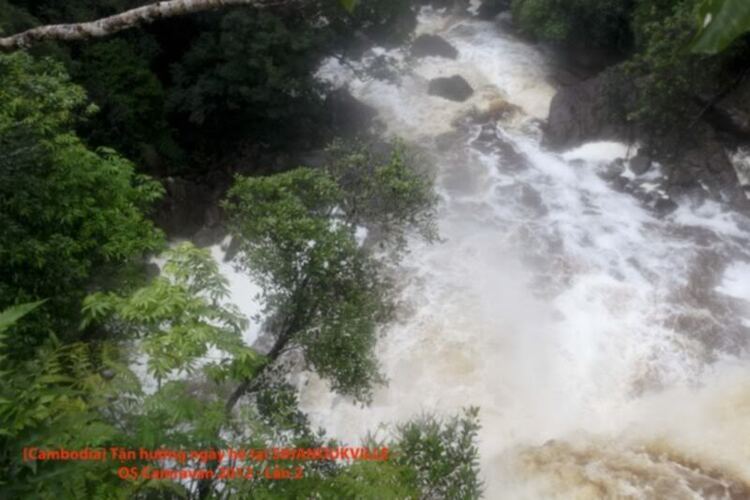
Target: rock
[(232, 249), (613, 170), (665, 206), (208, 236), (585, 112), (433, 45), (348, 116), (457, 7), (151, 270), (705, 169), (183, 210), (640, 163), (448, 140), (498, 109), (489, 9), (734, 110), (453, 88)]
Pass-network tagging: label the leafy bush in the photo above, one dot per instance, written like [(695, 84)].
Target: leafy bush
[(131, 99), (250, 75), (590, 23), (68, 213)]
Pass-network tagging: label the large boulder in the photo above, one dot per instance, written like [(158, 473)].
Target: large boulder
[(453, 88), (190, 206), (433, 45), (734, 110), (585, 112), (348, 116), (489, 9)]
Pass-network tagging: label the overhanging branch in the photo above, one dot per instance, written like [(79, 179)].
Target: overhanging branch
[(119, 22)]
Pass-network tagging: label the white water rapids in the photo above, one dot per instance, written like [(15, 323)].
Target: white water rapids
[(604, 345)]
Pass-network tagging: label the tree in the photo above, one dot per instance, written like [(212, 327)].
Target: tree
[(589, 23), (174, 320), (68, 213), (129, 19), (324, 293)]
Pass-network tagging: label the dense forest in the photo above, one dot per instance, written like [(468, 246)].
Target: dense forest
[(214, 124)]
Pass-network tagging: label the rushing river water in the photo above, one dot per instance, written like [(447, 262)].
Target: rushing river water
[(604, 344)]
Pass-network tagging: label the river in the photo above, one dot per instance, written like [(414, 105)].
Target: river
[(605, 345)]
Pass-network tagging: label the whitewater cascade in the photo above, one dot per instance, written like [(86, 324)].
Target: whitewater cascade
[(604, 344)]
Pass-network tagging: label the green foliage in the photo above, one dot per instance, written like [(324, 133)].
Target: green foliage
[(52, 400), (250, 74), (67, 212), (179, 317), (666, 76), (721, 22), (325, 291), (591, 23), (388, 192), (130, 98), (442, 455)]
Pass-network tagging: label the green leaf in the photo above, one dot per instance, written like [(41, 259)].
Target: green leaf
[(12, 314), (349, 5), (722, 21)]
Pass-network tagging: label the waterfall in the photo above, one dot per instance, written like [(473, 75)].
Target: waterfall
[(605, 344)]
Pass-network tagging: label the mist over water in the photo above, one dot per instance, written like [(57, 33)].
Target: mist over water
[(605, 345)]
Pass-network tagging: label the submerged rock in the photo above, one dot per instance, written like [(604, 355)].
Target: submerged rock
[(454, 88), (433, 45)]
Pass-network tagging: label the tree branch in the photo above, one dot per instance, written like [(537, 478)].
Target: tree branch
[(119, 22)]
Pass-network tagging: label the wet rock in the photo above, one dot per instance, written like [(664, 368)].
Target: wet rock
[(454, 88), (433, 45), (532, 200), (232, 249), (151, 270), (489, 9), (183, 210), (498, 109), (348, 116), (665, 206), (448, 140), (640, 163), (208, 236), (704, 169), (734, 109), (613, 170), (585, 112), (453, 6)]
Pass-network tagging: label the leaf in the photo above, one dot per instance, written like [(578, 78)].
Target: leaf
[(12, 314), (722, 21), (349, 5)]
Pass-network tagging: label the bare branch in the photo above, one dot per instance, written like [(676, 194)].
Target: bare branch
[(119, 22)]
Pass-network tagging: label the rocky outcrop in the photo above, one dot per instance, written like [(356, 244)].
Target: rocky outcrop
[(453, 88), (695, 162), (433, 45), (584, 112)]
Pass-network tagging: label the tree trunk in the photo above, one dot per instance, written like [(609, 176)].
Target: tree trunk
[(118, 22)]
